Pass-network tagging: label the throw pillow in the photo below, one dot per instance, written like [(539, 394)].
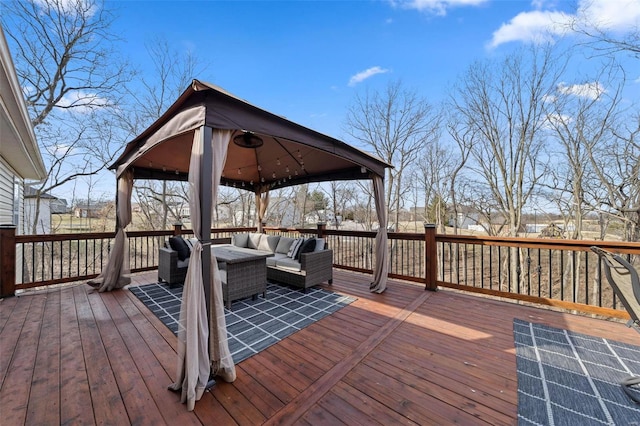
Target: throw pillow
[(284, 245), (254, 240), (295, 246), (240, 240), (319, 244), (179, 245), (307, 247)]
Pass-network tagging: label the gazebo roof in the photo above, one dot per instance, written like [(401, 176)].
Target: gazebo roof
[(291, 154)]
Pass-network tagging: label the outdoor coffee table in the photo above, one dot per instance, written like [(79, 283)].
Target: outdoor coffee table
[(244, 272)]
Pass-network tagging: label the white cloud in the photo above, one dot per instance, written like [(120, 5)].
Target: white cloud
[(81, 102), (543, 25), (615, 15), (536, 26), (363, 75), (591, 90), (436, 7)]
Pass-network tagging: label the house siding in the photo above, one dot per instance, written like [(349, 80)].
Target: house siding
[(7, 179)]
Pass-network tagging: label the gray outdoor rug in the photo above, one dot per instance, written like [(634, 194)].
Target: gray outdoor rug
[(567, 378), (252, 325)]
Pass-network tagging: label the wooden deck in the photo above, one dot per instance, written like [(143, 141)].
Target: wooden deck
[(408, 356)]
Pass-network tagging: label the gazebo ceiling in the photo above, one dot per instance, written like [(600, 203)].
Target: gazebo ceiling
[(290, 155)]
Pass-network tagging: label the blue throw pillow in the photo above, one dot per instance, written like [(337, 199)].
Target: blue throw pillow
[(307, 247), (180, 245)]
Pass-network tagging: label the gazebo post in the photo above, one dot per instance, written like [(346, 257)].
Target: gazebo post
[(205, 215)]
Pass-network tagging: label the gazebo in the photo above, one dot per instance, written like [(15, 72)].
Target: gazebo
[(210, 137)]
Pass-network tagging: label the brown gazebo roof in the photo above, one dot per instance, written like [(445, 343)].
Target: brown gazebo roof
[(291, 154)]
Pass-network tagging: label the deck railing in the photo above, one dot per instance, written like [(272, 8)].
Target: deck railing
[(562, 273)]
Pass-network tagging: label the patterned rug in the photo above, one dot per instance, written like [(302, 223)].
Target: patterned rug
[(567, 378), (252, 325)]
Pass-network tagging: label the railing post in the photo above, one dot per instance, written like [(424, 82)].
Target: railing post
[(430, 257), (321, 228), (8, 261), (177, 229)]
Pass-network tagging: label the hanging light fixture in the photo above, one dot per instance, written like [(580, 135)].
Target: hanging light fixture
[(248, 140)]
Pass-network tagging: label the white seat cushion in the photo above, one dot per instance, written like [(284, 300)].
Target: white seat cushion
[(289, 264), (271, 261)]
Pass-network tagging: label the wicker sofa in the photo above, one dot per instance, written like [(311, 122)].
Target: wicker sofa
[(308, 269)]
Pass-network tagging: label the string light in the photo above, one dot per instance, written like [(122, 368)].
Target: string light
[(287, 169), (259, 168), (239, 171), (164, 169), (273, 175), (262, 180)]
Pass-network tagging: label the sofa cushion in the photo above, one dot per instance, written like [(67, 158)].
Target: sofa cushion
[(240, 240), (295, 246), (268, 242), (284, 245), (178, 244), (271, 261), (182, 263), (289, 264), (308, 246), (254, 240), (319, 244)]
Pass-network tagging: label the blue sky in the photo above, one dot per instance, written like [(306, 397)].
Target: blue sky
[(306, 59)]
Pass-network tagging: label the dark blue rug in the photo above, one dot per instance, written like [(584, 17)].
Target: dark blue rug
[(567, 378), (252, 325)]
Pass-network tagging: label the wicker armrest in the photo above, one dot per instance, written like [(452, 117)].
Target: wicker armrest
[(168, 266), (316, 261), (167, 256)]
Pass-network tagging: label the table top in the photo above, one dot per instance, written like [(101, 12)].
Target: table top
[(231, 254)]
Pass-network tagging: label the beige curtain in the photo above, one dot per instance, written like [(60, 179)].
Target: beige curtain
[(116, 272), (381, 267), (221, 362), (262, 202), (194, 345)]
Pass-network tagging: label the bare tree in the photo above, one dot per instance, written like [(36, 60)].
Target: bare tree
[(396, 124), (580, 117), (604, 39), (171, 73), (500, 105), (72, 77), (616, 163)]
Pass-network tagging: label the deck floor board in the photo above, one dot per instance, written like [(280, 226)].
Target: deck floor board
[(70, 355)]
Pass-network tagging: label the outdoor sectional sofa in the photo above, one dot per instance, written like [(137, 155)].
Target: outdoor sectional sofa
[(312, 265)]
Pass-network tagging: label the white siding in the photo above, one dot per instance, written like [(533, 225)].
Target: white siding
[(44, 216), (6, 193), (7, 185)]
